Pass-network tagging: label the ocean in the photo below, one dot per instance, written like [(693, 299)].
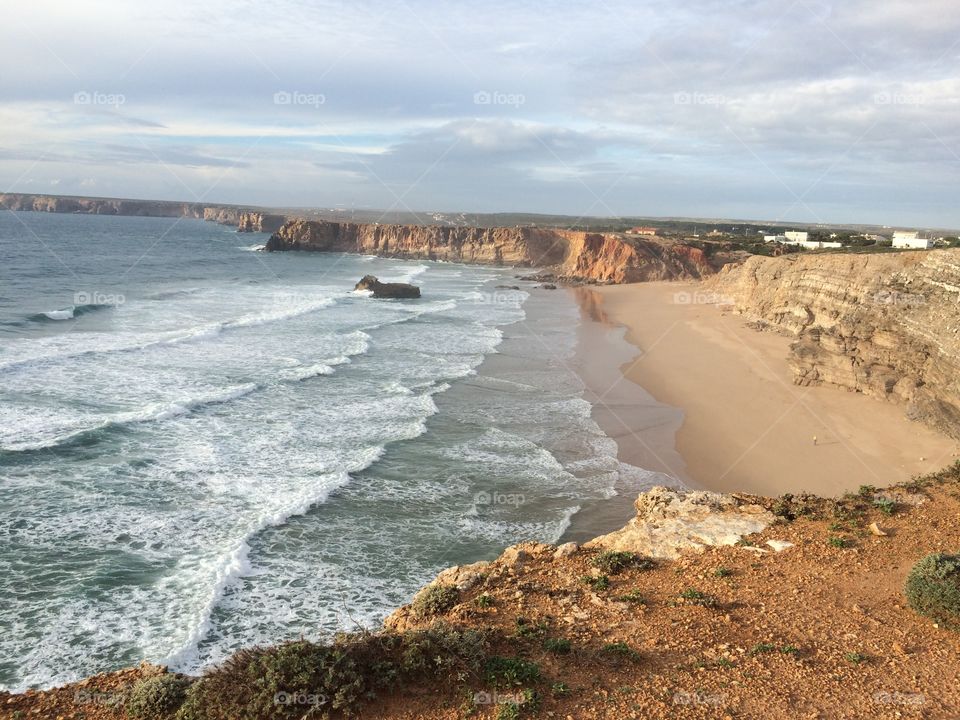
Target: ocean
[(204, 447)]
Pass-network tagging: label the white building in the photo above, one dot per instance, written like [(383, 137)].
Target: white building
[(797, 236), (817, 244), (774, 238), (910, 239)]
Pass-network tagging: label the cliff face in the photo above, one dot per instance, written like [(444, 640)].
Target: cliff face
[(223, 214), (885, 325), (601, 257), (259, 222)]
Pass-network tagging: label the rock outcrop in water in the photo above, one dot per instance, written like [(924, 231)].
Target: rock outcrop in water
[(886, 325), (387, 290), (599, 257)]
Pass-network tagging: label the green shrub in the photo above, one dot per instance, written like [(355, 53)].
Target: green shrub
[(634, 597), (613, 561), (513, 671), (157, 697), (933, 588), (435, 600), (601, 582), (620, 649), (483, 600), (885, 505), (527, 629), (301, 678), (695, 597), (557, 645)]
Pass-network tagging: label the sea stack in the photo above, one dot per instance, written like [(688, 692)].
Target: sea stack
[(387, 290)]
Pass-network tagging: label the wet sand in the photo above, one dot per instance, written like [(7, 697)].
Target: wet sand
[(726, 393)]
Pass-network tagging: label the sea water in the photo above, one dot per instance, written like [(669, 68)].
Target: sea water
[(205, 447)]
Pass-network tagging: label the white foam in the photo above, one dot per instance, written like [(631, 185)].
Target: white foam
[(152, 412), (66, 314)]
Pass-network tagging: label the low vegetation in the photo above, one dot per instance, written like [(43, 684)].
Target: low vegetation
[(435, 600), (933, 588), (157, 697)]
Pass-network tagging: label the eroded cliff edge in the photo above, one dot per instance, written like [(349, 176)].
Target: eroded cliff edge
[(245, 220), (886, 325), (600, 257)]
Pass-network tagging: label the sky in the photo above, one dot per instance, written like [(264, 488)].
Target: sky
[(778, 110)]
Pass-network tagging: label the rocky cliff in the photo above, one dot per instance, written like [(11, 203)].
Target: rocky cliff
[(259, 222), (600, 257), (245, 220), (886, 325)]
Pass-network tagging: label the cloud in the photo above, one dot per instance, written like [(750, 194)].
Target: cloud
[(705, 107)]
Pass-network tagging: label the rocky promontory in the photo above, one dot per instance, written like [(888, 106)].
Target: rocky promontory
[(886, 325), (705, 606), (245, 220), (595, 257)]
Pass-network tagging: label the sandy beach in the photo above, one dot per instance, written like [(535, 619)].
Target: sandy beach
[(726, 392)]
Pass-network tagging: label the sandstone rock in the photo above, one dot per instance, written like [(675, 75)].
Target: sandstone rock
[(669, 522), (565, 550), (463, 577), (599, 257), (514, 557), (387, 290), (884, 325), (779, 545)]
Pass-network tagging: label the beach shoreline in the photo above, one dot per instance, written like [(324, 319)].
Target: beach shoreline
[(745, 426)]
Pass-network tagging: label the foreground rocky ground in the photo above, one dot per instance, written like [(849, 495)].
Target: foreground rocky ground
[(804, 619)]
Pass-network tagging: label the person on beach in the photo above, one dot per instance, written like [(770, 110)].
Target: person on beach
[(814, 439)]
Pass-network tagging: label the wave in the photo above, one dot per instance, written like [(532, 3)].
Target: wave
[(150, 413), (69, 313), (174, 337), (253, 248), (408, 274), (171, 294)]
